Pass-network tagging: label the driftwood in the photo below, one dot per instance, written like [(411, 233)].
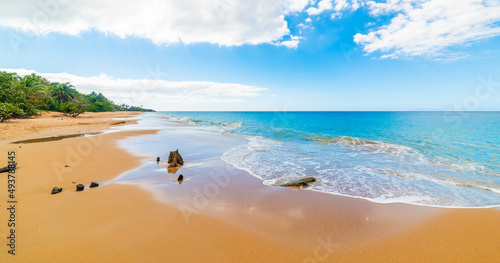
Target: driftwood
[(8, 168), (175, 159)]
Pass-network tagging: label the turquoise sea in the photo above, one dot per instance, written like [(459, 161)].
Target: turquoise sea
[(444, 159)]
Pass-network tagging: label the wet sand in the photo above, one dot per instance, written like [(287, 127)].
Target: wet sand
[(56, 123), (207, 219)]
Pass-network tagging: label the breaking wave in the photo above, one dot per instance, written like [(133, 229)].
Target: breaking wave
[(376, 171), (387, 157)]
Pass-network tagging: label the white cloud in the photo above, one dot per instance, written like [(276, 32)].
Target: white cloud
[(296, 5), (418, 27), (429, 27), (323, 5), (337, 6), (153, 92), (292, 43), (391, 6), (222, 22), (303, 26)]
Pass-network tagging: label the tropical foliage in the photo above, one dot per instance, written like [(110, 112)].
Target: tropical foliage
[(24, 96)]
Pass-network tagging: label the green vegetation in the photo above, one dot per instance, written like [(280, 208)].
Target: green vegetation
[(25, 96), (7, 110)]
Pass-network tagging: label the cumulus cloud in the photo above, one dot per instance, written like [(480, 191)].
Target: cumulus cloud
[(222, 22), (390, 6), (292, 43), (323, 5), (417, 27), (429, 27), (153, 92), (337, 6)]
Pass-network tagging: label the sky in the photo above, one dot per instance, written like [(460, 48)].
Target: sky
[(246, 55)]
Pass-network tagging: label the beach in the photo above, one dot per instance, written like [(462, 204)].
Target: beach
[(218, 214)]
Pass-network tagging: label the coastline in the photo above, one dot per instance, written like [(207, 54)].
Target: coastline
[(247, 221), (56, 123)]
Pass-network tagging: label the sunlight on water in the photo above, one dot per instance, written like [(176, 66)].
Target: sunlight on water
[(386, 157)]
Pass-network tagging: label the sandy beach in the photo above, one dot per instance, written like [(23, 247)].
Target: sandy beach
[(242, 220)]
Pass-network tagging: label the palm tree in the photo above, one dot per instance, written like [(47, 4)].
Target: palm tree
[(35, 87), (64, 92), (31, 81)]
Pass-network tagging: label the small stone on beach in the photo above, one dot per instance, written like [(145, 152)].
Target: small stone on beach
[(80, 187), (56, 190), (93, 184), (303, 182)]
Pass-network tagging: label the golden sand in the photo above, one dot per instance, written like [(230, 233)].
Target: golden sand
[(124, 223), (56, 123)]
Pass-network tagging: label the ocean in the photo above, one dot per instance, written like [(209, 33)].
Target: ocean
[(441, 159)]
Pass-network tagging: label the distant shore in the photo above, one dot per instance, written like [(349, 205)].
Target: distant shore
[(245, 221)]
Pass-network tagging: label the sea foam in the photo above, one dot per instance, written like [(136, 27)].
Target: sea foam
[(385, 157)]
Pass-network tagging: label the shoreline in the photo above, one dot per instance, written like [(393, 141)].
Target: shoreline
[(195, 125), (247, 221), (56, 123)]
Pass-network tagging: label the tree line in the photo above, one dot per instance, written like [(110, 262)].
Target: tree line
[(25, 96)]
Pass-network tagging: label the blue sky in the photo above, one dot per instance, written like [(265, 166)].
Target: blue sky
[(252, 55)]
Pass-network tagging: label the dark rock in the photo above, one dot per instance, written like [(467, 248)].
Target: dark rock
[(301, 182), (8, 168), (56, 190), (93, 184), (80, 187), (66, 166), (158, 159), (175, 159), (181, 177)]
